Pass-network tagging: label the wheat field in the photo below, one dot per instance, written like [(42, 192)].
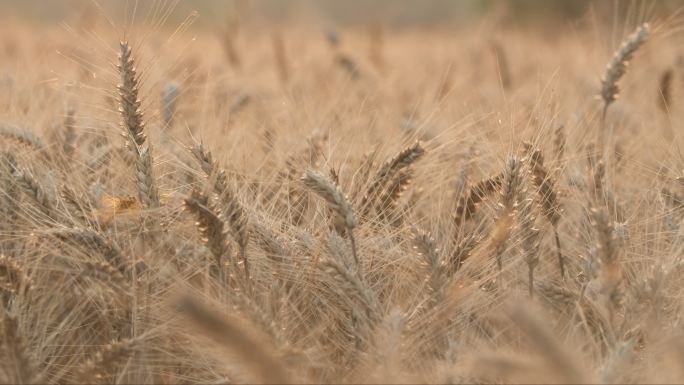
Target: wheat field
[(363, 204)]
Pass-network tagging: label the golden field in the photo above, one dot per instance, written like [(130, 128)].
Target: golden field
[(485, 202)]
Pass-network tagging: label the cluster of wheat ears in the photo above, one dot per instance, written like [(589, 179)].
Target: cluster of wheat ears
[(271, 218)]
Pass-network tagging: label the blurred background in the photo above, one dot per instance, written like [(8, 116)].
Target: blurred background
[(391, 13)]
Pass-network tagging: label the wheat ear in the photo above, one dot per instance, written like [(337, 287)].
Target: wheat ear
[(548, 198), (426, 246), (467, 204), (106, 360), (13, 279), (616, 69), (24, 136), (509, 205), (395, 189), (387, 173), (608, 254), (354, 281), (134, 125), (97, 242), (35, 190), (130, 110), (337, 201), (211, 228), (231, 209)]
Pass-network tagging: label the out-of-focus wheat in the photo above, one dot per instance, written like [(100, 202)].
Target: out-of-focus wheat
[(404, 257)]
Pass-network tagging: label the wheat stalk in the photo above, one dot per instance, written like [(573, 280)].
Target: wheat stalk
[(530, 239), (170, 95), (502, 65)]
